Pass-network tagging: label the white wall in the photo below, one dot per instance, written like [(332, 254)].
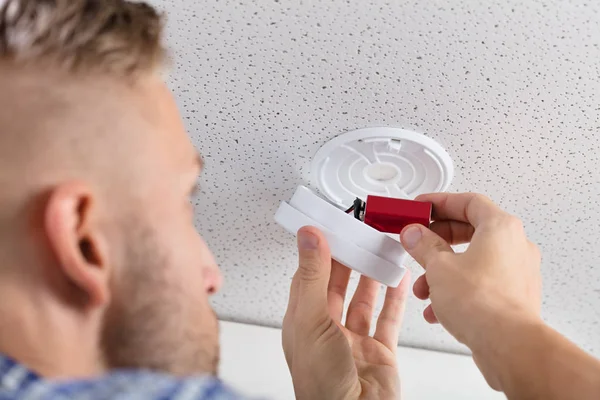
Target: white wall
[(253, 362)]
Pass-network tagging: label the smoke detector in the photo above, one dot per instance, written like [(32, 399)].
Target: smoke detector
[(381, 161), (366, 172)]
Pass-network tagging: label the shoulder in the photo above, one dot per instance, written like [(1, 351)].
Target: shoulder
[(133, 385)]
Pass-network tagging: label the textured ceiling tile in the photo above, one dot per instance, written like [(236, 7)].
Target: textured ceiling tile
[(510, 88)]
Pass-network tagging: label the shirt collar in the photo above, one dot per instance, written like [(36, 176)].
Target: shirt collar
[(13, 375)]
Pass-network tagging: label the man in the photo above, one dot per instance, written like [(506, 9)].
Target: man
[(105, 281)]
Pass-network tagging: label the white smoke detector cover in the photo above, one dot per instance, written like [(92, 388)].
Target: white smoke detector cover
[(382, 161), (352, 242)]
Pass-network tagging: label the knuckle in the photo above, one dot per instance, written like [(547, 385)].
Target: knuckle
[(506, 222), (438, 245), (362, 307), (308, 271), (481, 198), (391, 319), (482, 201), (358, 321), (323, 327), (515, 224), (337, 288), (362, 323)]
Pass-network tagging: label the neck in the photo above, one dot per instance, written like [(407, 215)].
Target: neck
[(40, 331)]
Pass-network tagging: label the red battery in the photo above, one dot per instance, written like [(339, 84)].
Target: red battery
[(392, 215)]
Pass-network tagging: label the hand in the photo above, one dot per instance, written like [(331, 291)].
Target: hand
[(326, 359), (495, 281)]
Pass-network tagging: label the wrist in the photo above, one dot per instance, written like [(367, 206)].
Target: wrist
[(505, 345), (492, 319)]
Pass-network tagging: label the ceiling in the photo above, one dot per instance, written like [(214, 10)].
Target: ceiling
[(510, 88)]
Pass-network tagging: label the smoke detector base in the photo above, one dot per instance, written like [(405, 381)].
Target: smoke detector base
[(381, 161)]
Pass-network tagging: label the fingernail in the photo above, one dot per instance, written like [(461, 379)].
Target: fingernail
[(411, 237), (307, 241)]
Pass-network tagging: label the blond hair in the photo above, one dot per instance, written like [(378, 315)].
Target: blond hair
[(113, 36)]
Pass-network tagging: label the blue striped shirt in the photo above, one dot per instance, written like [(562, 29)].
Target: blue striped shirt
[(18, 382)]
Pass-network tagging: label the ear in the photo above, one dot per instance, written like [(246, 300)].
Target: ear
[(76, 240)]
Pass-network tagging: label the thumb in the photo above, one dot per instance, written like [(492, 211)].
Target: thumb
[(423, 244), (312, 276)]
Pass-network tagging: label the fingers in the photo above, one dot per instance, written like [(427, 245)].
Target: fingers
[(421, 288), (392, 314), (471, 208), (362, 306), (453, 232), (336, 291), (429, 315), (423, 245), (308, 296)]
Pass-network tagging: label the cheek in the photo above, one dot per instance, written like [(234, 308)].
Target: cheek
[(196, 263), (191, 257), (193, 262)]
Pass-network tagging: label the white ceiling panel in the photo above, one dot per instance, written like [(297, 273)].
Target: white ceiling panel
[(510, 88)]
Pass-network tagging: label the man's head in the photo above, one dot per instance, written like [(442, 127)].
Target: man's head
[(100, 263)]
